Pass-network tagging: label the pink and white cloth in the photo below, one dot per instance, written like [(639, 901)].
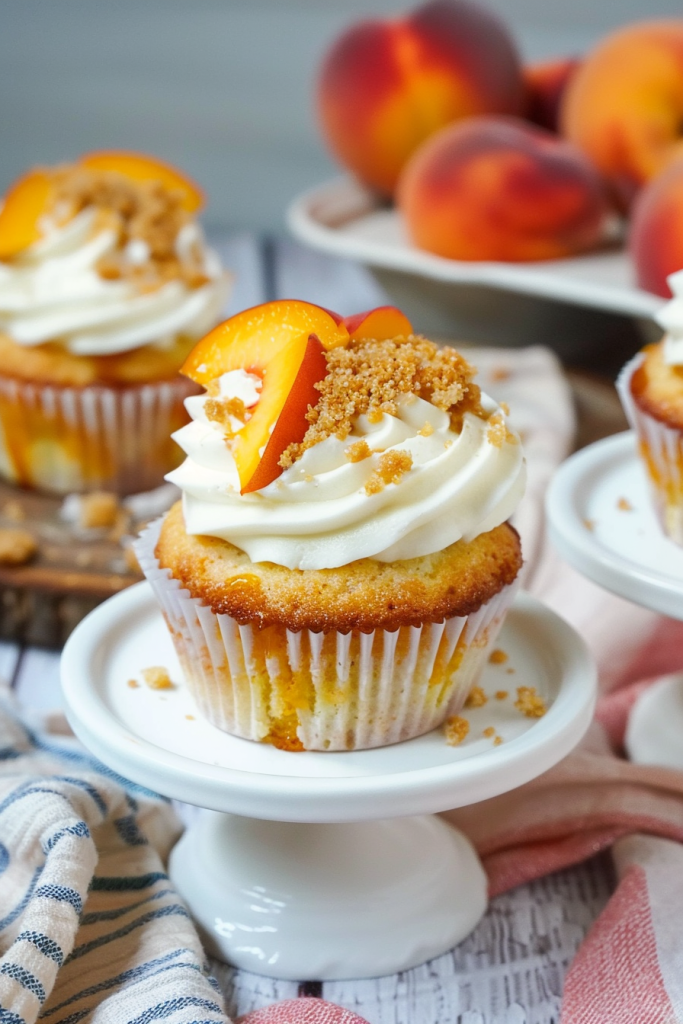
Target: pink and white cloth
[(77, 843)]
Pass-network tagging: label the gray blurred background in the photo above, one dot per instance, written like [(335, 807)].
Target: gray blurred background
[(222, 88)]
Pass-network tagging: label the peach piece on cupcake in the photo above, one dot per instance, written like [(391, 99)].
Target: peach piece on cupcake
[(624, 105), (380, 323), (495, 188), (24, 205), (656, 235), (386, 86)]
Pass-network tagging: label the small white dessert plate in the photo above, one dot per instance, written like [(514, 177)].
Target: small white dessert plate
[(602, 522), (158, 739), (343, 219)]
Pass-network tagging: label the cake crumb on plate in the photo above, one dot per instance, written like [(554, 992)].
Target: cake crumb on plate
[(529, 702), (476, 698), (157, 678), (456, 729)]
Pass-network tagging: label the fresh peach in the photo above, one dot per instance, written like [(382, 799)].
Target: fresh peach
[(283, 343), (656, 235), (379, 323), (139, 167), (545, 86), (499, 189), (385, 86), (624, 105), (24, 204)]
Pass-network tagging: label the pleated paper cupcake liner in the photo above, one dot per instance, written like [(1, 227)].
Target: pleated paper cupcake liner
[(322, 691), (64, 439), (661, 448)]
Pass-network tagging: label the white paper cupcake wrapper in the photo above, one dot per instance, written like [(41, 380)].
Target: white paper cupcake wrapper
[(362, 689), (661, 449), (65, 439)]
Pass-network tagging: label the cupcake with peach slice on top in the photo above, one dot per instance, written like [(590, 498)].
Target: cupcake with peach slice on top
[(106, 284), (341, 562), (651, 391)]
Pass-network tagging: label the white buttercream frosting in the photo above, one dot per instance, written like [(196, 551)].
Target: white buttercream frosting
[(670, 318), (318, 515), (53, 292)]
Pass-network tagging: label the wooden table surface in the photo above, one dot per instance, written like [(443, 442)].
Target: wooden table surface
[(528, 936)]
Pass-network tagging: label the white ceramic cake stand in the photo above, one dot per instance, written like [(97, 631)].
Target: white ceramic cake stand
[(323, 865), (601, 521)]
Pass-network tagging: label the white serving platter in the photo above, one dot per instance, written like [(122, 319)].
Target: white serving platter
[(341, 218)]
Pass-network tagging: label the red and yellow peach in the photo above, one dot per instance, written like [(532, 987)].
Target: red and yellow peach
[(624, 106), (546, 84), (386, 86), (499, 189), (656, 234)]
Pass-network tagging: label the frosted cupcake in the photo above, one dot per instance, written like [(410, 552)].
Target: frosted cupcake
[(651, 390), (341, 562), (105, 286)]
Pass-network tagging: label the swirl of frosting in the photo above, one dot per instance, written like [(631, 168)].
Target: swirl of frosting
[(53, 292), (670, 318), (324, 512)]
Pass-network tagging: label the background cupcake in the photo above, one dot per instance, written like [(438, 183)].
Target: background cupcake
[(651, 390), (350, 600), (105, 285)]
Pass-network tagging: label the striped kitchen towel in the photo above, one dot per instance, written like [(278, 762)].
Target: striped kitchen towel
[(90, 927)]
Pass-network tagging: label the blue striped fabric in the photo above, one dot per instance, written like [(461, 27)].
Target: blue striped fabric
[(91, 929)]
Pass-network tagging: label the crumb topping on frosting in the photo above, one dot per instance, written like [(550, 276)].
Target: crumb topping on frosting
[(369, 378), (147, 217)]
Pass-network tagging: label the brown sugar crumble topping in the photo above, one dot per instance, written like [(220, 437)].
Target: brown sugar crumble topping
[(358, 451), (391, 467), (456, 729), (529, 702), (138, 211), (369, 377), (476, 698)]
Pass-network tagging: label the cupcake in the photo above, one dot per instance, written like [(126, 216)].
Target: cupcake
[(341, 561), (105, 286), (651, 391)]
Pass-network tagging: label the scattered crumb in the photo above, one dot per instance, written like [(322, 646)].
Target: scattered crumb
[(500, 373), (391, 467), (97, 510), (489, 732), (14, 510), (134, 684), (529, 702), (502, 694), (589, 524), (456, 729), (358, 451), (476, 698), (17, 546), (157, 678), (624, 505), (427, 430), (498, 657), (497, 741), (190, 718)]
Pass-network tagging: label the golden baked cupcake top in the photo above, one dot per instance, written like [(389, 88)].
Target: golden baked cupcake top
[(98, 260), (323, 440)]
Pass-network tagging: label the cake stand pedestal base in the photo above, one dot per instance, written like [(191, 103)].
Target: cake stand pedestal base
[(328, 901)]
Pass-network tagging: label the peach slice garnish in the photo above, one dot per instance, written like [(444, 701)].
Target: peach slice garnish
[(380, 323), (139, 167), (295, 372), (283, 343), (24, 205)]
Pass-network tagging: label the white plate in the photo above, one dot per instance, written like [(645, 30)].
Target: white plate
[(341, 218), (147, 736), (601, 520)]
